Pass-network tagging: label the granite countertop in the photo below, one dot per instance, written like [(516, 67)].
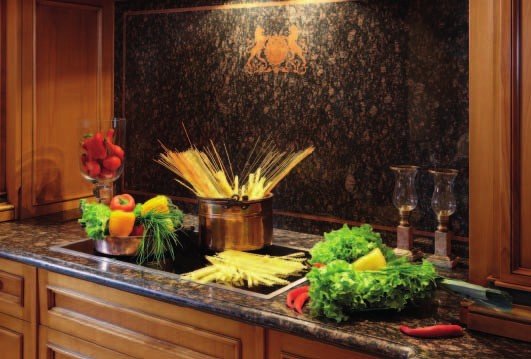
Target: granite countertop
[(30, 242)]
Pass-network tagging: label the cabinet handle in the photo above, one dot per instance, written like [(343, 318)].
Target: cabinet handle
[(1, 284)]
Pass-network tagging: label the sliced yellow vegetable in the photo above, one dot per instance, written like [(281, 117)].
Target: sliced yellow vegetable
[(235, 268), (374, 260)]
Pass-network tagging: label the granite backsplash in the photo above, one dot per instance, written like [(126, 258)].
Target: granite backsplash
[(368, 83)]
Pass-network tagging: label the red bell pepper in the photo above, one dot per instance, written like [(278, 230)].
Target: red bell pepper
[(124, 202), (293, 294), (434, 331)]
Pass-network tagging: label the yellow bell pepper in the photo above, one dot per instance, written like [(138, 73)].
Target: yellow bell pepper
[(374, 260), (158, 204), (121, 223)]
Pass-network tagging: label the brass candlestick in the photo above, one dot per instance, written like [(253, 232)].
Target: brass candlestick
[(405, 200), (444, 205)]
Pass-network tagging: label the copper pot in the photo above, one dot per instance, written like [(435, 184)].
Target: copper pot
[(234, 224), (118, 246)]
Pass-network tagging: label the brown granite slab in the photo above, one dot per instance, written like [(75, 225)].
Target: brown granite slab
[(386, 83), (30, 242)]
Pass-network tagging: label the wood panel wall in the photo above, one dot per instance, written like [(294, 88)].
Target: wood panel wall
[(2, 98)]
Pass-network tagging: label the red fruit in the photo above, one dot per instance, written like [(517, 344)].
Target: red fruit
[(117, 151), (110, 135), (138, 230), (112, 163), (93, 169), (95, 147), (107, 174), (84, 159)]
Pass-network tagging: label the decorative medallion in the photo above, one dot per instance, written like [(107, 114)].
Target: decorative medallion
[(276, 53)]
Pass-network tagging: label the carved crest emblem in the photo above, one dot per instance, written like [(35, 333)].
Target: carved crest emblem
[(276, 53)]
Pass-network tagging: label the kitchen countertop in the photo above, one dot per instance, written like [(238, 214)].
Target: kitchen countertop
[(30, 242)]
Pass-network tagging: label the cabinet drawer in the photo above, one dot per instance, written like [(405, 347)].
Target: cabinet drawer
[(18, 296), (287, 346), (140, 326), (17, 339), (57, 345)]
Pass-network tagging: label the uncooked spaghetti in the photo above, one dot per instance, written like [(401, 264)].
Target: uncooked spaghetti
[(205, 173)]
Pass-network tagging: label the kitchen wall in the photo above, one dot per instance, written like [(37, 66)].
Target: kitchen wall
[(375, 83)]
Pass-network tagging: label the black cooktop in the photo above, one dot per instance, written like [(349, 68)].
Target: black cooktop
[(188, 257)]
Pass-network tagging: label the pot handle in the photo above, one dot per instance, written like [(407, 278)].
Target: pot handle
[(235, 200)]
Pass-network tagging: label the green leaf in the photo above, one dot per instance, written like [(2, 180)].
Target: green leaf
[(337, 290)]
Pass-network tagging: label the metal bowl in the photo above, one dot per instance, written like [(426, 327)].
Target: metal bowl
[(118, 246)]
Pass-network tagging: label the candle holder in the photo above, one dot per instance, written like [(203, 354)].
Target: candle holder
[(444, 205), (405, 199)]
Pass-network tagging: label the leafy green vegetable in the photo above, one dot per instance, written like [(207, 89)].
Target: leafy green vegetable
[(159, 232), (95, 218), (138, 210), (337, 290), (349, 244)]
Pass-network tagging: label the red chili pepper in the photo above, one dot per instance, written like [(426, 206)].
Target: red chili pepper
[(110, 135), (318, 265), (293, 294), (434, 331), (300, 301), (95, 147), (111, 147), (93, 168)]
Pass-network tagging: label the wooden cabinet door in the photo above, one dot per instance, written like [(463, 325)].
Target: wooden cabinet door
[(517, 269), (18, 292), (500, 143), (286, 346), (16, 338), (67, 70)]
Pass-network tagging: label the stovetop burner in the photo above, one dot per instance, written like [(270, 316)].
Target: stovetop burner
[(188, 257)]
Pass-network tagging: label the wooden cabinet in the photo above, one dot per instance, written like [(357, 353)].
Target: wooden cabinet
[(80, 319), (18, 310), (17, 340), (286, 346), (500, 143), (500, 160), (18, 296), (59, 72), (141, 327)]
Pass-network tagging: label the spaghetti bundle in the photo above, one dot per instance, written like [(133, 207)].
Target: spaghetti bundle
[(206, 174)]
